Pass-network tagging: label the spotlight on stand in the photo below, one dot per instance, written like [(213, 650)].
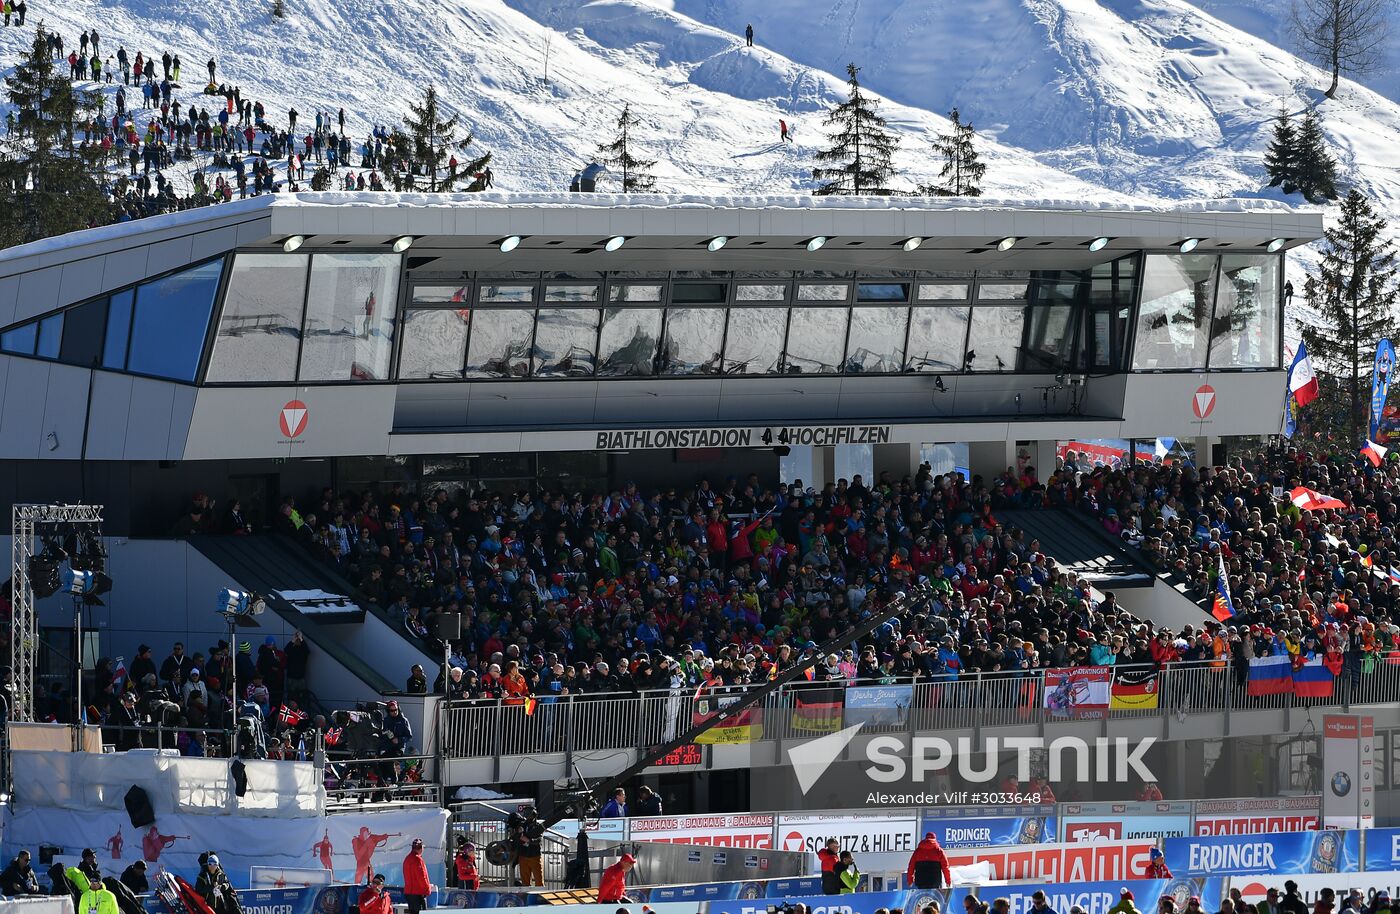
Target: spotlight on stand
[(43, 575), (239, 607)]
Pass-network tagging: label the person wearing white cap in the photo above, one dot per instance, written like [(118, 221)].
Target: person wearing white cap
[(213, 886)]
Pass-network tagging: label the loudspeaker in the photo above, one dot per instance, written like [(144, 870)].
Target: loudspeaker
[(138, 807), (449, 626), (239, 772)]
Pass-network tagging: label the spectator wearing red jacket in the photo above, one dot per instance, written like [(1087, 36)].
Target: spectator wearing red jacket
[(928, 865), (416, 887), (1157, 866), (612, 888), (374, 900), (829, 856)]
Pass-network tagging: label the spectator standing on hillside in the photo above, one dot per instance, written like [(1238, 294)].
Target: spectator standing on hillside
[(748, 35)]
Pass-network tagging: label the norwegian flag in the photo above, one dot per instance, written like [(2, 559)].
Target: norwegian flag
[(1310, 500), (290, 716)]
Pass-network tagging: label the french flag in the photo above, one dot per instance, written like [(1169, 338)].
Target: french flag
[(1312, 679), (1271, 675), (1302, 382), (1312, 500), (1374, 452)]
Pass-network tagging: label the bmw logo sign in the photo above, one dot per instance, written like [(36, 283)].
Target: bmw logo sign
[(1341, 783)]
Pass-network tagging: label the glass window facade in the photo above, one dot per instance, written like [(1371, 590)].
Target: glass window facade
[(1178, 291), (565, 339), (876, 344), (816, 340), (943, 291), (936, 337), (83, 327), (1244, 333), (118, 329), (20, 340), (500, 343), (627, 344), (171, 320), (434, 342), (50, 336), (994, 338), (260, 327), (754, 344), (350, 316), (693, 341)]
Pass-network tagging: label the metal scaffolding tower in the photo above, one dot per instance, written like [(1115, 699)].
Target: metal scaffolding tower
[(32, 525)]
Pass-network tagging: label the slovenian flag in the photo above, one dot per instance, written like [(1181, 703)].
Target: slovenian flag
[(1311, 500), (1223, 608), (1374, 452), (1302, 382), (1270, 675), (1312, 679)]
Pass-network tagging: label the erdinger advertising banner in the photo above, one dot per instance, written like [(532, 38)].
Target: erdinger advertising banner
[(1383, 849), (1261, 816), (735, 830), (1245, 855), (347, 845), (1348, 743), (1100, 897), (1061, 862), (1092, 822), (1253, 889), (859, 834), (955, 827)]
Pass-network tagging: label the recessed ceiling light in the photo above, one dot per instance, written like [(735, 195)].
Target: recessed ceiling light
[(510, 243), (402, 244), (1098, 244), (912, 244), (615, 242), (1006, 243), (815, 244), (716, 243), (1273, 247), (1189, 245), (292, 243)]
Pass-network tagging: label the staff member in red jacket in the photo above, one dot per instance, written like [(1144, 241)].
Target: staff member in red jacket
[(416, 887), (374, 900), (829, 856), (928, 865), (612, 888)]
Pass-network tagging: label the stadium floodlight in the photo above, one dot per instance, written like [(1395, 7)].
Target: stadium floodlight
[(1098, 244), (912, 244), (510, 243), (716, 243), (238, 603), (614, 243), (292, 243), (815, 244), (1273, 247), (77, 582), (402, 243), (1007, 243), (1188, 245)]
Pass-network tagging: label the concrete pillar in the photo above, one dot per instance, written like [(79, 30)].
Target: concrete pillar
[(988, 458), (1205, 450), (899, 460), (1043, 458)]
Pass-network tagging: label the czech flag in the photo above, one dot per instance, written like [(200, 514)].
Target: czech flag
[(1302, 382), (1270, 675), (1223, 608), (1310, 500), (1312, 679), (1374, 452)]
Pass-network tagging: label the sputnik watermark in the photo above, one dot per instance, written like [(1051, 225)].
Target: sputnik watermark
[(889, 759)]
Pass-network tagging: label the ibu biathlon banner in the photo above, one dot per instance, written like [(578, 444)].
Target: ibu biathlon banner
[(1248, 855), (347, 844), (956, 828)]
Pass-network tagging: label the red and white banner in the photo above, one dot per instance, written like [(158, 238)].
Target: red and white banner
[(859, 834), (732, 830), (1262, 816), (1098, 862)]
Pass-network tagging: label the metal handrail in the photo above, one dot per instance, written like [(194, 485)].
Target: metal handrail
[(491, 728)]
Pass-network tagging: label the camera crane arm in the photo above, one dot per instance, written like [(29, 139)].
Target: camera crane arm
[(903, 602)]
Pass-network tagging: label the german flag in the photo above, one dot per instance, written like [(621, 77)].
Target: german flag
[(743, 727), (817, 710), (1135, 689)]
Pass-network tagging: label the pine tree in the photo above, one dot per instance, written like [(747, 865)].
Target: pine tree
[(279, 9), (1354, 296), (431, 137), (48, 184), (1281, 159), (1317, 171), (859, 160), (962, 167), (636, 173)]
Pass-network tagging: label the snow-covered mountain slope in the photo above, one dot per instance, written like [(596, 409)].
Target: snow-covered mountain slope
[(539, 90)]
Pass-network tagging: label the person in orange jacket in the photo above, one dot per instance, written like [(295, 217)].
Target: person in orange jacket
[(612, 888), (928, 865), (374, 900), (829, 856), (416, 887)]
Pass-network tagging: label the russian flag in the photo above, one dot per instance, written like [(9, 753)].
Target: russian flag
[(1271, 675), (1223, 608), (1374, 452), (1311, 679), (1302, 381), (1311, 500)]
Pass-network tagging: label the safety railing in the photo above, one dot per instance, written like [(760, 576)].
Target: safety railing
[(351, 783), (486, 728)]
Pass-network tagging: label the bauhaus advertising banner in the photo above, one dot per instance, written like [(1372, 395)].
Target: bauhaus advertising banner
[(1289, 852)]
